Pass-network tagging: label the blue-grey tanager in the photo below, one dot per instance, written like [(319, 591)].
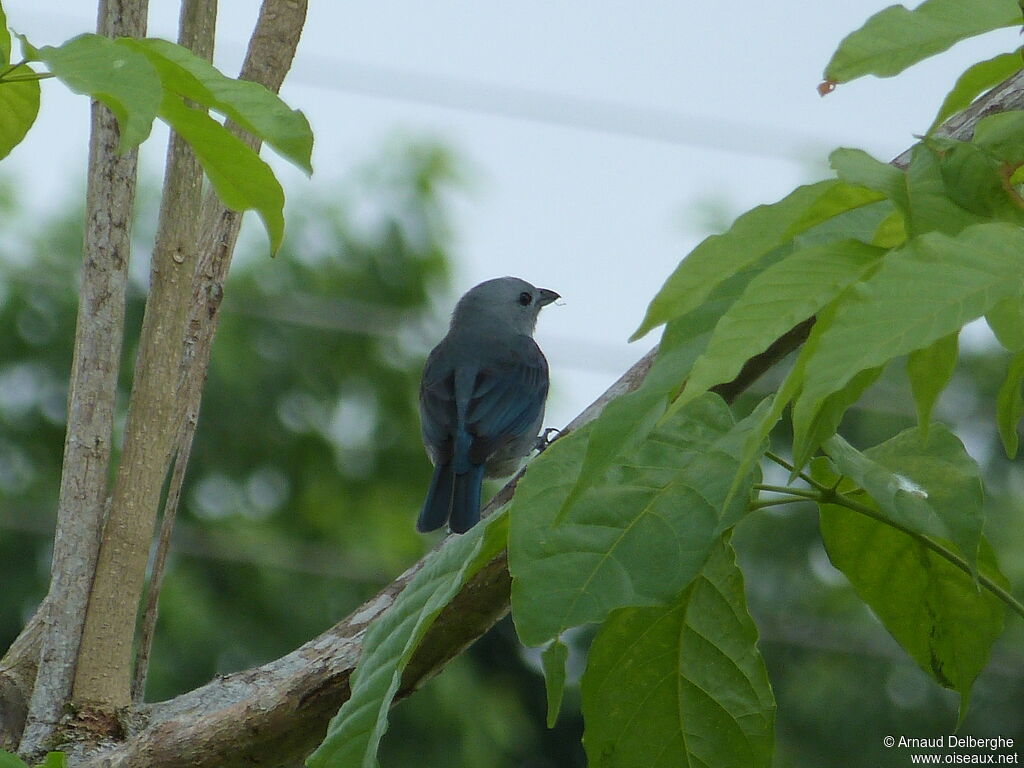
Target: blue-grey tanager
[(482, 397)]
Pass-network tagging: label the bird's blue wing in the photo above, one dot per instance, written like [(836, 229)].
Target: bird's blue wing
[(508, 397)]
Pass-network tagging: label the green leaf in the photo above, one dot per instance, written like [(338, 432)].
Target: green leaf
[(834, 204), (930, 207), (1006, 319), (354, 734), (29, 52), (19, 105), (930, 370), (629, 419), (55, 760), (892, 232), (920, 193), (952, 281), (855, 166), (975, 80), (1001, 136), (924, 481), (751, 236), (1010, 405), (860, 223), (251, 105), (121, 78), (932, 608), (972, 180), (812, 427), (242, 180), (7, 760), (682, 684), (774, 301), (5, 39), (637, 537), (553, 660), (896, 38)]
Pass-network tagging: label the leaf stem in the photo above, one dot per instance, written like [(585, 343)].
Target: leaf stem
[(802, 475), (833, 497), (823, 494), (26, 78), (11, 67), (762, 503), (803, 493)]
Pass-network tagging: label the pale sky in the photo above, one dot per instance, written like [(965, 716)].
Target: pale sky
[(596, 132)]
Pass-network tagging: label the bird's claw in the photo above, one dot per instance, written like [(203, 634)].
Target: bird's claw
[(544, 439)]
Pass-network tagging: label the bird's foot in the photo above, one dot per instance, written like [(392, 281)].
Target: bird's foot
[(544, 439)]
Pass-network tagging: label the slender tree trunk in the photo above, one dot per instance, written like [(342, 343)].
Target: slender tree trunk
[(93, 389), (103, 676)]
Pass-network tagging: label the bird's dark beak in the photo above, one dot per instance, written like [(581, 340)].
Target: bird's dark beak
[(546, 297)]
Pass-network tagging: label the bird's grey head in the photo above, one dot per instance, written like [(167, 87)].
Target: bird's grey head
[(506, 301)]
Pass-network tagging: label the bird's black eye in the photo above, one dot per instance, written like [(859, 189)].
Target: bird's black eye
[(525, 298)]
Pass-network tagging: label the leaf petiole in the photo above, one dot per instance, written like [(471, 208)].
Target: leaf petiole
[(825, 495)]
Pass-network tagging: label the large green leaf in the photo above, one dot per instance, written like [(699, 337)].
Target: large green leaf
[(751, 236), (930, 370), (952, 281), (121, 78), (355, 732), (1010, 405), (629, 419), (777, 299), (683, 684), (895, 38), (923, 480), (812, 426), (975, 80), (250, 105), (241, 179), (931, 607), (637, 537), (19, 105)]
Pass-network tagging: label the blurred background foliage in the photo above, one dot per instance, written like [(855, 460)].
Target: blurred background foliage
[(308, 469)]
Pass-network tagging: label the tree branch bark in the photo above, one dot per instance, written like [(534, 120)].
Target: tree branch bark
[(93, 389)]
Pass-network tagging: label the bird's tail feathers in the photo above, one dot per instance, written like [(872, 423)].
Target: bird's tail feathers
[(466, 499), (439, 500)]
